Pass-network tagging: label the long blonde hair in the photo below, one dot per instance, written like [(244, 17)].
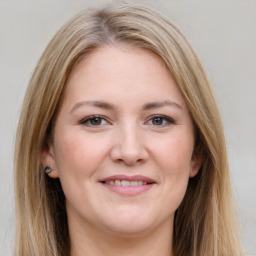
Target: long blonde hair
[(204, 223)]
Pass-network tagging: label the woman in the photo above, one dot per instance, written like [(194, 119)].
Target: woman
[(120, 146)]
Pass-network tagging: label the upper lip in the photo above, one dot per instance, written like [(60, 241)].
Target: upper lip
[(129, 178)]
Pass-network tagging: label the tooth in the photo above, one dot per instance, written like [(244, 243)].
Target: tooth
[(117, 182), (134, 183), (125, 183)]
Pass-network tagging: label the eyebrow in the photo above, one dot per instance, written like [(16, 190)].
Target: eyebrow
[(153, 105), (108, 106), (99, 104)]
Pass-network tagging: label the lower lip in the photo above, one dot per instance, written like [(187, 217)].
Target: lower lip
[(129, 190)]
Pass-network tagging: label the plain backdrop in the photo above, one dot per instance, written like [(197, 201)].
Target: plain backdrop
[(223, 32)]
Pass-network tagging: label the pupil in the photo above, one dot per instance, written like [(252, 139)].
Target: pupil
[(96, 121), (157, 120)]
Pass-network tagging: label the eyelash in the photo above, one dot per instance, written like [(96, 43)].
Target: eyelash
[(88, 121), (168, 121)]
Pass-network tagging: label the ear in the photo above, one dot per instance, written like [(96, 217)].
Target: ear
[(196, 162), (48, 158)]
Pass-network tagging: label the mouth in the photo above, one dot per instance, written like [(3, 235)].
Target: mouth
[(128, 185)]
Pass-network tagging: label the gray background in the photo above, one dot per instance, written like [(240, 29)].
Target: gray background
[(222, 32)]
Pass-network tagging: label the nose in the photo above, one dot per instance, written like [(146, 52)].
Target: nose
[(129, 147)]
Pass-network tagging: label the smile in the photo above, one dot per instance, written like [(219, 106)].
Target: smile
[(128, 185)]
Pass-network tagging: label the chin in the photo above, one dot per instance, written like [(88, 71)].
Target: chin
[(130, 221)]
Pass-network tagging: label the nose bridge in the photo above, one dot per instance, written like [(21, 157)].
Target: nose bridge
[(130, 141), (129, 144)]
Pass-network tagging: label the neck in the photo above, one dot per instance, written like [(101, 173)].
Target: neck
[(90, 243)]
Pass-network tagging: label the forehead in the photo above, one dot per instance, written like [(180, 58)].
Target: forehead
[(117, 60), (127, 72)]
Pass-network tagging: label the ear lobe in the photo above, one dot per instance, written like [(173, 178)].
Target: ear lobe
[(196, 163), (48, 159)]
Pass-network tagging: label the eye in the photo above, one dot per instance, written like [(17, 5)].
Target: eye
[(160, 120), (94, 121)]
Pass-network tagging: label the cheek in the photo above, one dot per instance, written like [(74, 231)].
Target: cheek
[(77, 158), (78, 155), (175, 155)]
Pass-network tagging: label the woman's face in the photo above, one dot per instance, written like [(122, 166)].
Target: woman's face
[(123, 143)]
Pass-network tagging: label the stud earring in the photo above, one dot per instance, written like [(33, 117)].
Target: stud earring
[(47, 169)]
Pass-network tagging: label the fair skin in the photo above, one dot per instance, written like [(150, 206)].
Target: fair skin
[(122, 115)]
